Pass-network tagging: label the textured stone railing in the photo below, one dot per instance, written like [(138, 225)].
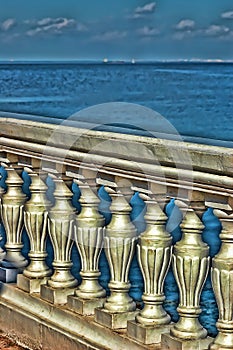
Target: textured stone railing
[(200, 177)]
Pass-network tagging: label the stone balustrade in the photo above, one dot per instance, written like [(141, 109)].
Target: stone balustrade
[(49, 303)]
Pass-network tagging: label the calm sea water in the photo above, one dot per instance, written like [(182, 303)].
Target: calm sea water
[(196, 98)]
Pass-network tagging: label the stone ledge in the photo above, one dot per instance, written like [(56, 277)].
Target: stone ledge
[(114, 320), (84, 306), (172, 343), (30, 285), (146, 334), (8, 275), (55, 296), (39, 325)]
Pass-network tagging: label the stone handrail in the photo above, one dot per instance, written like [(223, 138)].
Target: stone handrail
[(198, 176)]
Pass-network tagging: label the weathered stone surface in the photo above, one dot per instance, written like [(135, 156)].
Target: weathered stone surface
[(41, 325), (169, 342), (146, 334), (84, 306), (50, 337), (114, 320), (30, 285), (8, 275), (55, 296), (20, 327)]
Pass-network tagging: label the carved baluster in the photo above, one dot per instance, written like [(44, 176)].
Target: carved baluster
[(119, 248), (222, 281), (12, 217), (61, 232), (2, 252), (154, 256), (35, 219), (89, 235), (190, 267)]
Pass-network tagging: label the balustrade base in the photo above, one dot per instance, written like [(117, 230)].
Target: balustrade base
[(146, 334), (169, 342), (84, 306), (38, 325), (223, 341), (55, 296), (30, 285), (114, 320), (9, 275)]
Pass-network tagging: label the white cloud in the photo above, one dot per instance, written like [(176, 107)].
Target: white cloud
[(108, 36), (29, 21), (48, 21), (33, 32), (228, 36), (214, 30), (143, 11), (7, 24), (217, 30), (185, 34), (59, 23), (135, 16), (185, 24), (148, 31), (227, 15), (147, 8), (52, 25)]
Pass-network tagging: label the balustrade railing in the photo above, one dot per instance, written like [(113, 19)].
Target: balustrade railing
[(122, 166)]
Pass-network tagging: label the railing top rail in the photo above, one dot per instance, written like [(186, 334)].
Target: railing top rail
[(116, 128), (214, 159)]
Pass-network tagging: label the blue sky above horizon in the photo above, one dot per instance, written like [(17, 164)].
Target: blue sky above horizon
[(90, 29)]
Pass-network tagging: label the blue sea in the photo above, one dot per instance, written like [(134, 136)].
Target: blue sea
[(196, 98)]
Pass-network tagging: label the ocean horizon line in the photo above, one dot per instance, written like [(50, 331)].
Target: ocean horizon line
[(115, 61)]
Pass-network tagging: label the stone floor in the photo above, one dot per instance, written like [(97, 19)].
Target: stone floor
[(7, 344)]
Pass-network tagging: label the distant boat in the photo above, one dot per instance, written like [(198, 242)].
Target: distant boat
[(105, 60), (133, 61)]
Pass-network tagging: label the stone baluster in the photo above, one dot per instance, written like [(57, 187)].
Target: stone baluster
[(12, 207), (154, 256), (61, 232), (190, 267), (2, 252), (36, 219), (119, 246), (222, 281), (89, 233)]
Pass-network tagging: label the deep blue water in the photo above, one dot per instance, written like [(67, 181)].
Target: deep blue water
[(196, 98)]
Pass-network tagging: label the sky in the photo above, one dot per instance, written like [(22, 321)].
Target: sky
[(116, 29)]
